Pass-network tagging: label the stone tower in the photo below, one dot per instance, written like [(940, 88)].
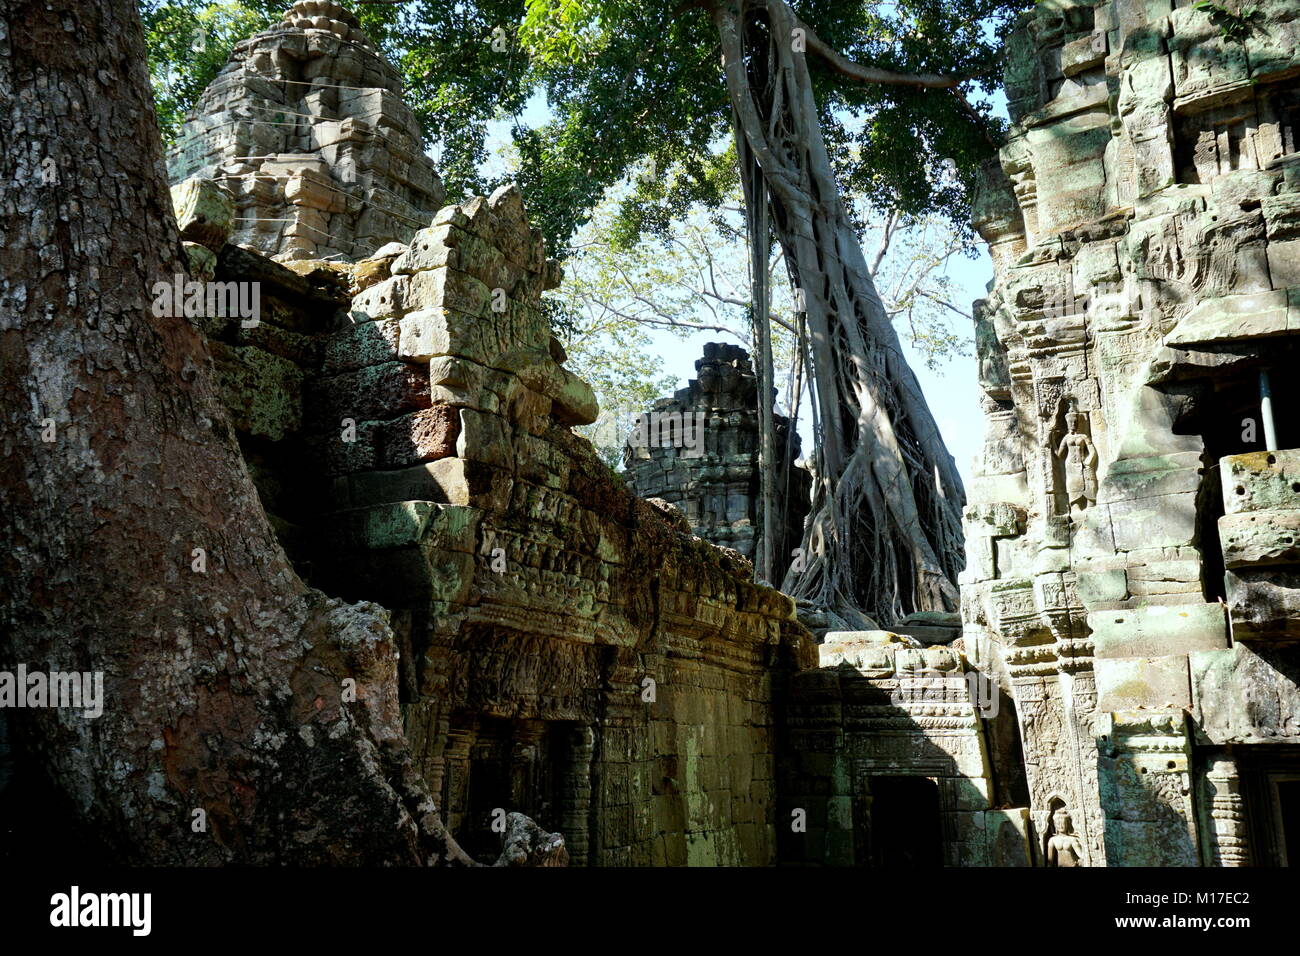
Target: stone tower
[(699, 451), (1131, 537), (305, 126)]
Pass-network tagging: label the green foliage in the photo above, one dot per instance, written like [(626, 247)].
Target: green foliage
[(458, 80), (693, 277), (622, 367), (632, 83), (918, 293), (604, 312), (464, 70), (636, 95), (1232, 25), (189, 42)]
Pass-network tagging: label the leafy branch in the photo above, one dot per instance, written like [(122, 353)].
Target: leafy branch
[(1232, 25)]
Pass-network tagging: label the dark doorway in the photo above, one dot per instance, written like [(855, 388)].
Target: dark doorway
[(906, 830), (1270, 788), (513, 766)]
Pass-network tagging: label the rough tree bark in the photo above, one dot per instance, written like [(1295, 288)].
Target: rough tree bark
[(884, 536), (223, 688)]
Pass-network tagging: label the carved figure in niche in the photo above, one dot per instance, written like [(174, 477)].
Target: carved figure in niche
[(1078, 456), (1064, 848)]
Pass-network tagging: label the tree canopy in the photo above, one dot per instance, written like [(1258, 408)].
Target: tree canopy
[(631, 85)]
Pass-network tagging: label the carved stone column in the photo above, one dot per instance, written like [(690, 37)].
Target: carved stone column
[(1144, 777), (431, 745), (456, 757), (575, 787), (525, 751), (1229, 842)]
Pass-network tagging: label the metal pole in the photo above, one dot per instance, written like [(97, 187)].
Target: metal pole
[(1266, 411)]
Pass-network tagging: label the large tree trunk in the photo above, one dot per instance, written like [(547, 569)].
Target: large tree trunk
[(884, 536), (223, 688)]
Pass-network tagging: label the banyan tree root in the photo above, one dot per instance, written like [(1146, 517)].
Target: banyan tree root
[(884, 537)]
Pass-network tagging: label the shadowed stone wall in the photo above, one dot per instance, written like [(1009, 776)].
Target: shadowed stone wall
[(574, 652), (887, 754), (568, 650)]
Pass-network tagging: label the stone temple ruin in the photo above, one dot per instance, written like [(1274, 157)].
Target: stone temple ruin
[(307, 129), (1121, 688), (714, 480), (1133, 577)]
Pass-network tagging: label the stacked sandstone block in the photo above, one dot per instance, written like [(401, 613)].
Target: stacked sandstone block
[(527, 583), (307, 127), (406, 419), (716, 483), (447, 356), (530, 584), (1143, 223), (1246, 693), (1260, 536)]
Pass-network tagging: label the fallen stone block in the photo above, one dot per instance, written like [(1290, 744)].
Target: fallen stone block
[(449, 288), (430, 249), (1261, 481), (205, 212), (376, 268), (1260, 538)]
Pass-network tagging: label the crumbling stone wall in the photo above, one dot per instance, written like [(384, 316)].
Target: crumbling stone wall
[(713, 476), (568, 650), (307, 129), (575, 652), (1143, 221), (573, 649)]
